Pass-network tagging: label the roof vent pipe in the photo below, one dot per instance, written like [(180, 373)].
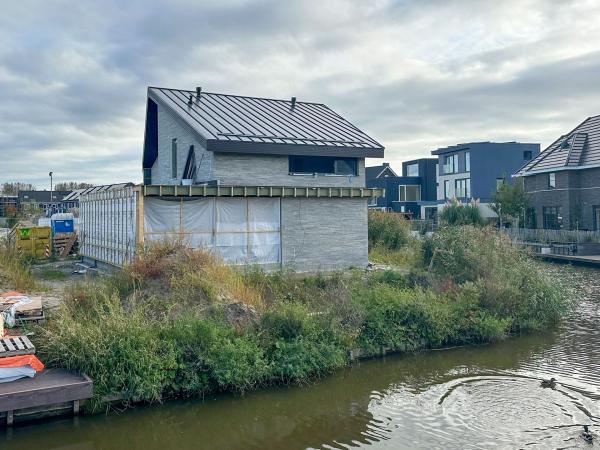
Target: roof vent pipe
[(191, 100), (293, 102), (198, 92)]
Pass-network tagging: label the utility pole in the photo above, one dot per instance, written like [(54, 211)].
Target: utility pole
[(51, 199)]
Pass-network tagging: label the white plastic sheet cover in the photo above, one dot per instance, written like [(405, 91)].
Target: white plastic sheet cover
[(248, 230), (191, 221), (240, 230), (264, 237)]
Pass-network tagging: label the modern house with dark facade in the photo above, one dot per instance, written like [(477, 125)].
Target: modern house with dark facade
[(257, 181), (564, 180), (475, 170), (382, 171), (413, 193)]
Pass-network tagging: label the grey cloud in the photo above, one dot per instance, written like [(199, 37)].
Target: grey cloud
[(414, 74)]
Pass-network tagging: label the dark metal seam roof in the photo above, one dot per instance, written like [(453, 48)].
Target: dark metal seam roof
[(580, 147), (234, 118)]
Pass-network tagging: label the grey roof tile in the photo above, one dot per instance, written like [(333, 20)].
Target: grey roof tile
[(580, 147)]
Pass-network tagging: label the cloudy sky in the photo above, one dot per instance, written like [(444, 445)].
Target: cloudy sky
[(415, 75)]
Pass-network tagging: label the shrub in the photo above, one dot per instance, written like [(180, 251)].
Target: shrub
[(510, 283), (389, 230), (120, 350), (456, 213), (211, 355), (300, 344)]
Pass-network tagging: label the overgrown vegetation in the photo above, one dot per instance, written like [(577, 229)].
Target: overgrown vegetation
[(15, 269), (178, 323), (456, 213), (390, 241)]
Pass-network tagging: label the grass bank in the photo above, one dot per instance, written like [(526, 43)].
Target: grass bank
[(179, 323)]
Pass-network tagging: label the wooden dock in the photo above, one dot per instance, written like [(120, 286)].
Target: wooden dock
[(50, 392)]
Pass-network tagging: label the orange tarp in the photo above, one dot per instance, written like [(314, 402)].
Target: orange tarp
[(24, 360), (11, 294)]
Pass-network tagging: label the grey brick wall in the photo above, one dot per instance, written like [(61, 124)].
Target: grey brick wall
[(273, 170), (577, 193), (169, 128), (324, 234)]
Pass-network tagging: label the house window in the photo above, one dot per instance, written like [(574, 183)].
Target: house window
[(499, 183), (412, 170), (462, 188), (410, 193), (446, 188), (467, 161), (323, 165), (451, 164), (373, 201), (189, 171), (174, 158), (552, 217), (147, 176), (527, 155), (552, 180)]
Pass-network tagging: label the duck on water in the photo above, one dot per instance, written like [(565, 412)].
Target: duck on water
[(551, 383), (586, 435)]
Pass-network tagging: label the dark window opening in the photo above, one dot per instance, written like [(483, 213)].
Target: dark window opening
[(527, 155), (189, 172), (323, 165), (147, 176), (174, 158), (552, 217)]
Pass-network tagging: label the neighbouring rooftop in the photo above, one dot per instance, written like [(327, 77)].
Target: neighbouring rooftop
[(577, 149)]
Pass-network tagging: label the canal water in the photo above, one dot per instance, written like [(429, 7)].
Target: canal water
[(464, 398)]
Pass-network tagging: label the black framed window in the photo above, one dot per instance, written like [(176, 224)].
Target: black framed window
[(552, 217), (328, 165), (527, 155), (462, 188)]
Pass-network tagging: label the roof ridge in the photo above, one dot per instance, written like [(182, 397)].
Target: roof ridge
[(241, 96)]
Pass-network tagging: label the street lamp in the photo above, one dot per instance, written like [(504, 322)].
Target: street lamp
[(50, 174)]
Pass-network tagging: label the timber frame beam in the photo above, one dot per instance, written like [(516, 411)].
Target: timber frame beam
[(161, 190)]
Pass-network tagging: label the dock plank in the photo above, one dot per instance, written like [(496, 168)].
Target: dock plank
[(49, 387)]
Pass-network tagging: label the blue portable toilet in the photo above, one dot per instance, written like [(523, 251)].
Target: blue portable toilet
[(62, 223)]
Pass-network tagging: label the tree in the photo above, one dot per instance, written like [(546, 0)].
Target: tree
[(14, 188), (71, 186), (511, 200)]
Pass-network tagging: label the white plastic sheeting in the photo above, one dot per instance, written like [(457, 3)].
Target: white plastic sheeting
[(241, 230), (107, 225)]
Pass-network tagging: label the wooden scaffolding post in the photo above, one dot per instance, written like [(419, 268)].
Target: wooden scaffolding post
[(139, 215)]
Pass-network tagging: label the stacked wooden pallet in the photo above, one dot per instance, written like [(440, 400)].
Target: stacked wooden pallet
[(30, 312), (16, 346), (64, 244)]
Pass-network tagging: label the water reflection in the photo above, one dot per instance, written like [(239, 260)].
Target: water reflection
[(473, 397)]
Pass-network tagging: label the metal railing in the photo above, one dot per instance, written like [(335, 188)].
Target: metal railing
[(551, 236)]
